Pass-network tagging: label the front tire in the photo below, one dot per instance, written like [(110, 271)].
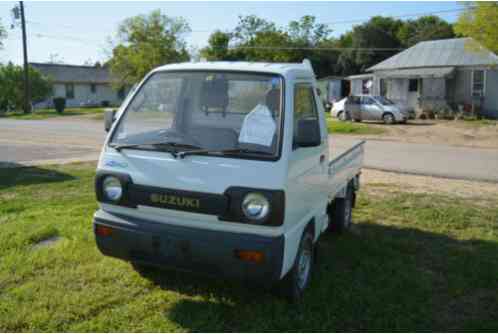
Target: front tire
[(298, 278), (388, 118)]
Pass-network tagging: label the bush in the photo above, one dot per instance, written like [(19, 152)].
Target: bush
[(106, 104), (59, 104), (12, 86)]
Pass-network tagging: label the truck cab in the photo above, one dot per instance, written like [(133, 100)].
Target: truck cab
[(223, 168)]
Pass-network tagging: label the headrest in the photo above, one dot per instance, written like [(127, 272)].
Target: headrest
[(272, 100), (214, 93)]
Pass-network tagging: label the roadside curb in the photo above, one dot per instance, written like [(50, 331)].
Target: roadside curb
[(435, 175)]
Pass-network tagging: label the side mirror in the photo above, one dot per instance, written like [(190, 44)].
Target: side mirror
[(308, 133), (109, 118)]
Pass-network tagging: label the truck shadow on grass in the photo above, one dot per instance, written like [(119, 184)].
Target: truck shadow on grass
[(379, 278), (13, 174)]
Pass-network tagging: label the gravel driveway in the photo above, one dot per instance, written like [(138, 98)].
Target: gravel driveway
[(64, 139)]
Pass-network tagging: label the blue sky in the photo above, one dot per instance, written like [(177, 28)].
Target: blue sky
[(77, 31)]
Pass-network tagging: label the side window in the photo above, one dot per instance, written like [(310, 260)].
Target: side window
[(69, 91), (366, 100), (304, 105), (478, 82)]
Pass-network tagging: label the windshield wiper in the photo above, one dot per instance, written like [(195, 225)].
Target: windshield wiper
[(183, 154), (119, 147)]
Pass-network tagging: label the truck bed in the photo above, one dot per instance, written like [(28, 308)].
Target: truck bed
[(344, 168)]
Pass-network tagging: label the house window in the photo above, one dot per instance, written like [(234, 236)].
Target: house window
[(366, 85), (70, 91), (478, 82), (413, 85), (93, 88)]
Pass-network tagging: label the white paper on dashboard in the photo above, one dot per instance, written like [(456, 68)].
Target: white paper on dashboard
[(258, 127)]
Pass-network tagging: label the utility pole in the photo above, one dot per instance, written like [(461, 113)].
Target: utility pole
[(27, 92)]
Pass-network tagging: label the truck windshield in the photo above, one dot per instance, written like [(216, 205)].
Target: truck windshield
[(208, 112)]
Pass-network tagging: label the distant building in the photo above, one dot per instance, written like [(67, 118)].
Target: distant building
[(80, 85), (452, 73), (333, 88)]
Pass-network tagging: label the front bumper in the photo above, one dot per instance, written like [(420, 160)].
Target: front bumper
[(189, 249)]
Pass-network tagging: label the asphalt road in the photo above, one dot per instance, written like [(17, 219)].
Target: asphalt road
[(66, 139)]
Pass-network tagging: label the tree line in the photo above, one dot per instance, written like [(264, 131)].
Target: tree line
[(144, 42)]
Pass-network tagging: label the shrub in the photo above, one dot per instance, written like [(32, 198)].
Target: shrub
[(106, 104), (12, 86), (59, 104)]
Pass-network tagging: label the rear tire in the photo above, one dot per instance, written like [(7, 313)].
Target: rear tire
[(298, 278), (341, 212), (142, 269)]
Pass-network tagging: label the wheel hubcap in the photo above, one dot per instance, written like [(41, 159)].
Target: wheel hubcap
[(304, 265)]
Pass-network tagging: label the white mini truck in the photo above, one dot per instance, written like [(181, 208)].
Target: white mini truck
[(223, 168)]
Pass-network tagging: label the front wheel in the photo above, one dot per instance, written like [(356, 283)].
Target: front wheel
[(298, 278), (388, 118)]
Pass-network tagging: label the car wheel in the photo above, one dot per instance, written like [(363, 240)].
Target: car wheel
[(298, 278), (343, 116), (341, 212), (388, 118)]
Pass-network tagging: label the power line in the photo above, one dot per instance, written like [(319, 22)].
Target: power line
[(313, 48), (455, 10), (399, 16)]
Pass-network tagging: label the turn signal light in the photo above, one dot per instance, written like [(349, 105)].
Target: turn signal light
[(103, 231), (250, 256)]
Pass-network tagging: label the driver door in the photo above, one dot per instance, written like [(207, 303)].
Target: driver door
[(369, 109)]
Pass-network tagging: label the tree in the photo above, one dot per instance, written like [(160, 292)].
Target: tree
[(12, 89), (3, 34), (249, 26), (480, 21), (424, 28), (145, 42), (217, 48), (368, 41)]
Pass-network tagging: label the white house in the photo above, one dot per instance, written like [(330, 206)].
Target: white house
[(80, 85), (453, 73)]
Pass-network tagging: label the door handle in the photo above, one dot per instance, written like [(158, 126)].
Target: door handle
[(322, 158)]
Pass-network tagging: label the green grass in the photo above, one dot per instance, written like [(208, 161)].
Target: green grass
[(39, 114), (351, 128), (415, 263)]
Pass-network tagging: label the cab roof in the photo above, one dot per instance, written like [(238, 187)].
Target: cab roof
[(287, 70)]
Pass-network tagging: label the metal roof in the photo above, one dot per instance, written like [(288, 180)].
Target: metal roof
[(64, 73), (360, 76), (426, 72), (439, 53)]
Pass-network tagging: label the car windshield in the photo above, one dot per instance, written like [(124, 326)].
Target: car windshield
[(205, 111), (384, 101)]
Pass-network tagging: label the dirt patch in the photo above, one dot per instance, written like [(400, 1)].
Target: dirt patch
[(387, 182), (47, 242), (454, 133)]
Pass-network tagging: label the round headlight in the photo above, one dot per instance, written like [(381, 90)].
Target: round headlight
[(255, 206), (112, 188)]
